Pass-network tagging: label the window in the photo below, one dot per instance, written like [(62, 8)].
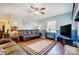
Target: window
[(51, 26)]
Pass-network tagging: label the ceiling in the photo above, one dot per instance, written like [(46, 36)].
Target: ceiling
[(21, 9)]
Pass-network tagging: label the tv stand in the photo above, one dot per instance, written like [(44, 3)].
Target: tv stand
[(66, 40), (64, 37)]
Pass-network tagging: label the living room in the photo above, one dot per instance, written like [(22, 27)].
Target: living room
[(39, 29)]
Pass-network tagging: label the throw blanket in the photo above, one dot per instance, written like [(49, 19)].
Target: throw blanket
[(40, 48)]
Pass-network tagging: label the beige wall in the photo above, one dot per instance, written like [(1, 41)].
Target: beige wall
[(6, 22)]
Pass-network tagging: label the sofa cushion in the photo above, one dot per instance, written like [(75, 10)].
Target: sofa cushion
[(6, 45), (29, 32), (12, 48), (2, 41)]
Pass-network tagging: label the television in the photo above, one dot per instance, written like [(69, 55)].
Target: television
[(66, 30)]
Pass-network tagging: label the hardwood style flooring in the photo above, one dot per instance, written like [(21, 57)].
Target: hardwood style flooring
[(30, 42), (58, 49)]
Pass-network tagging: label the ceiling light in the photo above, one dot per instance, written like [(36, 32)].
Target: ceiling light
[(36, 12)]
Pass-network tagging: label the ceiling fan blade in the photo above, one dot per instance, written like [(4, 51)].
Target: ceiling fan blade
[(42, 12), (35, 8), (32, 7), (42, 9), (29, 11)]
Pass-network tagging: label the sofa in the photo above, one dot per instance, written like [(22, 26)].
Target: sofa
[(29, 34), (9, 47)]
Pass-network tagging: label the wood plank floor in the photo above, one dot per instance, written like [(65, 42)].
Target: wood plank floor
[(30, 42), (58, 49)]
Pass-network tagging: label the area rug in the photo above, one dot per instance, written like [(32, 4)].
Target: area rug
[(40, 48)]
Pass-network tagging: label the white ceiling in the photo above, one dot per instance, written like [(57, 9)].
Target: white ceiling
[(20, 9)]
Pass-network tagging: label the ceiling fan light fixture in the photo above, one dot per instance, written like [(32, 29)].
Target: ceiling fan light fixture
[(36, 12)]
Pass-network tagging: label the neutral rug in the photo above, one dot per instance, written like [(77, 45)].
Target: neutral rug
[(40, 48)]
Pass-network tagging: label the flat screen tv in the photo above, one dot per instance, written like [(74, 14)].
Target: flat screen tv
[(66, 30)]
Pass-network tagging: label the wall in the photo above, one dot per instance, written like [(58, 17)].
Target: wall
[(60, 21), (64, 20), (18, 21), (5, 21), (78, 29)]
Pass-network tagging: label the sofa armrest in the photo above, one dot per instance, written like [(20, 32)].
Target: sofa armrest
[(3, 41)]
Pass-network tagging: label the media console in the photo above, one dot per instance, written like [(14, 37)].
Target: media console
[(67, 41)]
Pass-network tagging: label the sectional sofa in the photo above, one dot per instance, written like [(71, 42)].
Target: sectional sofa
[(29, 34)]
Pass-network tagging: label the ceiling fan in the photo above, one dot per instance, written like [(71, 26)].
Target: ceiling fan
[(37, 10)]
